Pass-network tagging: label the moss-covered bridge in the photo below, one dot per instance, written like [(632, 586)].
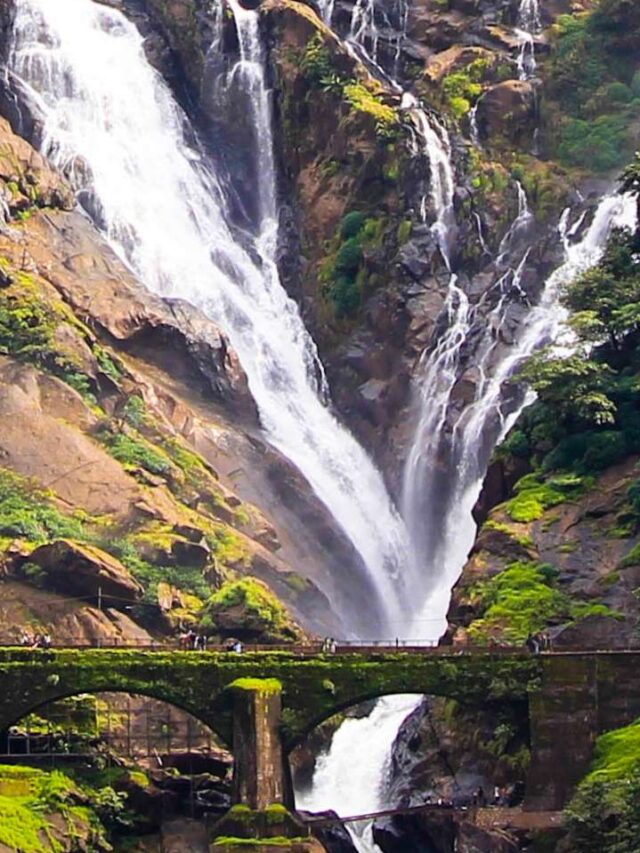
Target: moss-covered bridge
[(263, 704)]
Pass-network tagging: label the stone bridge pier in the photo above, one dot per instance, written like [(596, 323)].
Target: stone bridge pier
[(258, 778)]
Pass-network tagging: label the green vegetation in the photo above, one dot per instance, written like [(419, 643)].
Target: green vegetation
[(344, 269), (604, 815), (267, 686), (257, 607), (534, 495), (31, 798), (28, 512), (593, 85), (134, 451), (363, 97), (28, 324), (489, 180), (524, 599), (545, 184), (461, 89)]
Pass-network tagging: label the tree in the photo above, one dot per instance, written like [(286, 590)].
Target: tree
[(630, 183), (573, 385), (605, 300)]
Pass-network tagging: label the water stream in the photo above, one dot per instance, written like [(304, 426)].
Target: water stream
[(529, 25), (161, 205), (350, 777)]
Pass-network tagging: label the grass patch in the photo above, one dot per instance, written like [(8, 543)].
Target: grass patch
[(135, 452), (533, 496), (27, 512), (524, 599)]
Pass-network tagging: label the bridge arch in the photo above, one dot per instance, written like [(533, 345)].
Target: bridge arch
[(33, 678), (157, 695)]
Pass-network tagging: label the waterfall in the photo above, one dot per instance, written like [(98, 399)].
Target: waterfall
[(474, 130), (163, 209), (488, 419), (350, 777), (517, 229), (528, 26)]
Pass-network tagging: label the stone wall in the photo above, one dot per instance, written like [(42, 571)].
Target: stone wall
[(581, 697)]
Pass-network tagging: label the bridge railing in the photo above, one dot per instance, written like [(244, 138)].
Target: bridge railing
[(313, 648), (310, 649)]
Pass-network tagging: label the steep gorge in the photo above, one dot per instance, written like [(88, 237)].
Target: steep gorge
[(419, 194)]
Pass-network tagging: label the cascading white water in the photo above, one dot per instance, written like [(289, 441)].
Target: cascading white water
[(474, 130), (164, 211), (349, 778), (433, 141), (528, 27), (493, 413), (522, 221)]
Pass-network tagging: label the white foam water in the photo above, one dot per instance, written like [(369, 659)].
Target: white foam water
[(163, 209)]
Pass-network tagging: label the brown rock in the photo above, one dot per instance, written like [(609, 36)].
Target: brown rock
[(453, 59), (37, 184), (41, 423), (508, 109), (84, 570)]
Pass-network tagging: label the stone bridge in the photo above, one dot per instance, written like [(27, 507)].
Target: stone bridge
[(263, 704)]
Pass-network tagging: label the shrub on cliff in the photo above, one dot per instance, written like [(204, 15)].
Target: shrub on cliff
[(248, 610)]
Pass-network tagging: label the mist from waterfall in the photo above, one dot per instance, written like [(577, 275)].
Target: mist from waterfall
[(124, 143)]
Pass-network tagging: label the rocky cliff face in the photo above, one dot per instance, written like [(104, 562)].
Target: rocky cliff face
[(128, 419)]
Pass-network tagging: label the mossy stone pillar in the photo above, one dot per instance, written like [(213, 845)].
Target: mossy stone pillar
[(257, 748)]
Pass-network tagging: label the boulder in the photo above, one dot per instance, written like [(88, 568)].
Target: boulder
[(249, 611), (171, 550), (84, 570), (334, 837), (455, 59), (508, 109)]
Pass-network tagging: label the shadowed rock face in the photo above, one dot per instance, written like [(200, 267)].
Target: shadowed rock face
[(83, 570)]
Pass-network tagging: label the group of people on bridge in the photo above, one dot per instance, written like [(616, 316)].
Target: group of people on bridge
[(540, 642), (36, 641), (199, 642)]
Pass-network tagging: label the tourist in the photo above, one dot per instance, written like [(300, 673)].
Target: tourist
[(237, 647), (46, 641), (497, 796), (481, 798), (26, 639)]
